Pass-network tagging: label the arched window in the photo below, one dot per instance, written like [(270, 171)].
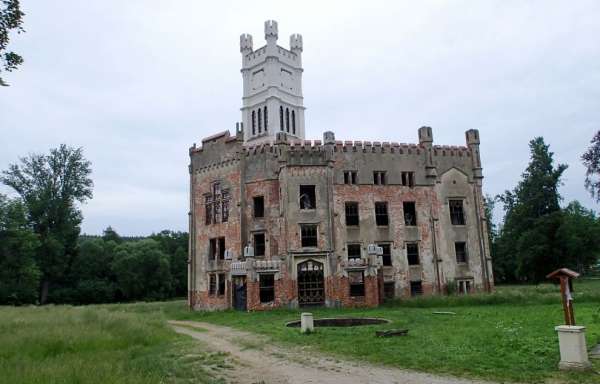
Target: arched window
[(259, 120), (293, 122), (266, 118), (281, 118), (287, 119), (253, 123)]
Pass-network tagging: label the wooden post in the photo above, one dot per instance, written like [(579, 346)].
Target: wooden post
[(565, 275)]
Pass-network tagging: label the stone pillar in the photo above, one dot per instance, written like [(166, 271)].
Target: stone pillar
[(307, 324), (573, 350)]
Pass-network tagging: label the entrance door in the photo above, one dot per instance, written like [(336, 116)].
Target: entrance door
[(239, 293), (311, 287)]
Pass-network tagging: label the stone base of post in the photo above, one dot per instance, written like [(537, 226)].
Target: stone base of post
[(573, 350), (306, 323)]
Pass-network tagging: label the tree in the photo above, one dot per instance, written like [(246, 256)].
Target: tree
[(95, 281), (19, 274), (50, 186), (532, 216), (175, 245), (579, 237), (11, 18), (591, 160), (110, 234)]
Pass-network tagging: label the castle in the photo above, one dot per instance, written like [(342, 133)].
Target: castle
[(280, 221)]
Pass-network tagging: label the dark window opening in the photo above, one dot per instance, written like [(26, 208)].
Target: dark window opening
[(352, 214), (212, 284), (460, 247), (389, 290), (412, 254), (350, 177), (259, 121), (253, 123), (309, 235), (381, 213), (353, 251), (416, 288), (357, 283), (308, 198), (259, 244), (287, 120), (267, 287), (216, 205), (281, 119), (259, 206), (464, 287), (221, 248), (457, 215), (379, 178), (266, 118), (212, 249), (293, 122), (208, 209), (221, 284), (408, 179), (387, 254), (410, 213)]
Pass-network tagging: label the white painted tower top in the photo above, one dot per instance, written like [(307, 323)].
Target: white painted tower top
[(272, 100)]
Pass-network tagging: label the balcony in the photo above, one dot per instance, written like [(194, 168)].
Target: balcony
[(355, 264), (267, 265), (238, 268)]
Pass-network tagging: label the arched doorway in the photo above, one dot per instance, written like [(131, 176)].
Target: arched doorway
[(311, 286)]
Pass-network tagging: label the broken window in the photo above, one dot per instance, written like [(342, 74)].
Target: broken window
[(221, 248), (216, 205), (410, 213), (416, 288), (408, 179), (464, 286), (309, 235), (357, 283), (259, 206), (412, 253), (457, 215), (379, 178), (389, 290), (352, 213), (212, 249), (353, 251), (267, 287), (212, 283), (221, 291), (208, 209), (308, 198), (259, 244), (387, 254), (225, 205), (460, 248), (350, 177), (381, 213)]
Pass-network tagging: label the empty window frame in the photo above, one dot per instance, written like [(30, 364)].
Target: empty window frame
[(258, 206), (308, 198), (212, 249), (381, 213), (460, 248), (267, 287), (225, 205), (408, 179), (464, 286), (216, 204), (387, 254), (308, 233), (350, 177), (412, 254), (212, 283), (221, 242), (410, 213), (416, 288), (259, 120), (266, 117), (457, 214), (221, 290), (353, 251), (379, 178), (259, 244), (293, 122), (208, 209), (281, 119), (352, 213), (357, 283), (253, 123)]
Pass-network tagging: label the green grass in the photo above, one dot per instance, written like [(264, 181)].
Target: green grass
[(99, 344)]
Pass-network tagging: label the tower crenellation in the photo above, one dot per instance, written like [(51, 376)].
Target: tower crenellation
[(245, 43)]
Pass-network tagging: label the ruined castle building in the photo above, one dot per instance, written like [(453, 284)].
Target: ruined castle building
[(280, 221)]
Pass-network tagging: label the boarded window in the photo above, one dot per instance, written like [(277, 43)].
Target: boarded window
[(350, 177), (412, 253), (309, 235), (381, 213), (379, 178), (259, 206), (460, 248), (352, 213), (357, 283), (221, 248), (353, 251), (387, 254), (416, 288), (212, 284), (410, 213), (308, 199), (457, 215), (221, 284), (259, 244), (408, 179), (267, 287)]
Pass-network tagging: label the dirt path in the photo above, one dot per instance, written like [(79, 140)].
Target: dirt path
[(257, 361)]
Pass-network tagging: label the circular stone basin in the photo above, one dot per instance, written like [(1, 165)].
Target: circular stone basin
[(342, 322)]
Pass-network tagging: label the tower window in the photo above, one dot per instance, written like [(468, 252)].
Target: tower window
[(381, 213), (281, 119), (412, 253), (457, 215), (352, 213), (253, 123), (287, 120), (259, 206), (212, 249), (408, 179), (266, 118), (353, 251), (379, 178), (293, 122), (308, 198), (410, 213), (259, 121), (350, 177), (460, 248), (309, 235)]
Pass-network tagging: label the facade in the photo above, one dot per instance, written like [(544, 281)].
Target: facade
[(280, 221)]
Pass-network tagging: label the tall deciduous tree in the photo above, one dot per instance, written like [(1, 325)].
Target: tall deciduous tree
[(50, 186), (591, 160), (11, 18)]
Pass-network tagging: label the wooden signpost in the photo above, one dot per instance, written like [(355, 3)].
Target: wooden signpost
[(566, 277)]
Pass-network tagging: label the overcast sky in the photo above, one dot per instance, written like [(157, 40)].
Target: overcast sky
[(137, 82)]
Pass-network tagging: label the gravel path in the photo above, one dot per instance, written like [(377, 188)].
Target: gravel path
[(255, 360)]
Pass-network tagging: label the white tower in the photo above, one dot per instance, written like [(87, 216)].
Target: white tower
[(272, 100)]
